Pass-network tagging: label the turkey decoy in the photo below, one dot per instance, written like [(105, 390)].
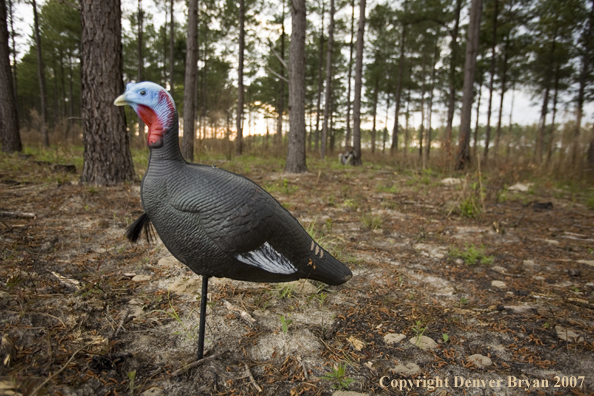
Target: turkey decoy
[(216, 222)]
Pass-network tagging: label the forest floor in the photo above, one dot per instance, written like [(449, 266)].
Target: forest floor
[(463, 284)]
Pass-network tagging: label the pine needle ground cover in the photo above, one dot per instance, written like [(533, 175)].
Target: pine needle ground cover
[(504, 294)]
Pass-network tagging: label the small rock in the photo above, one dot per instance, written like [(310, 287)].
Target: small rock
[(521, 187), (450, 181), (141, 278), (393, 338), (551, 241), (409, 370), (349, 393), (152, 392), (574, 272), (187, 286), (568, 334), (168, 261), (480, 361), (459, 261), (520, 309), (303, 287), (498, 284), (539, 278), (499, 269), (528, 264), (423, 342)]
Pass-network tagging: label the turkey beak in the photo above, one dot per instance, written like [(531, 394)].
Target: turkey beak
[(120, 100)]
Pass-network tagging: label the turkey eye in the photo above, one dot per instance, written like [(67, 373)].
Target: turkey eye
[(143, 92)]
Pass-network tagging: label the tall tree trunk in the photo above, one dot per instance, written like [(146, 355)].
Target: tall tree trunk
[(296, 149), (347, 141), (430, 112), (463, 155), (240, 89), (107, 158), (41, 76), (476, 127), (452, 77), (171, 49), (281, 99), (190, 82), (320, 81), (540, 135), (406, 126), (140, 72), (491, 81), (358, 83), (503, 89), (14, 53), (385, 134), (394, 146), (328, 93), (583, 81), (9, 122), (375, 98), (422, 127), (552, 130)]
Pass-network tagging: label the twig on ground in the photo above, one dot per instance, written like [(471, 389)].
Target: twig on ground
[(195, 364), (121, 324), (18, 215), (251, 377)]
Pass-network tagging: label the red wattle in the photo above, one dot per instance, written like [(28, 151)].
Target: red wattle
[(149, 117)]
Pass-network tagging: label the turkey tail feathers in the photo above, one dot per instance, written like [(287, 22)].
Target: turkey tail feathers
[(140, 225)]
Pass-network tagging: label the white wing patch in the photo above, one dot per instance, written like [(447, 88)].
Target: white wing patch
[(268, 259)]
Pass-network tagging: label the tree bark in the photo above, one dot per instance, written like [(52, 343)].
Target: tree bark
[(357, 161), (452, 78), (190, 82), (240, 89), (320, 82), (430, 112), (394, 146), (347, 141), (476, 127), (552, 130), (463, 155), (491, 81), (503, 89), (374, 110), (583, 81), (296, 149), (328, 93), (107, 158), (140, 75), (171, 49), (422, 127), (281, 99), (9, 122), (41, 76)]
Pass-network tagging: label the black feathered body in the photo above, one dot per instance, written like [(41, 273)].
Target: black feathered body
[(222, 224)]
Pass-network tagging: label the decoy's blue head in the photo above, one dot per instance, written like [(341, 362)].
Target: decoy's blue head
[(154, 105)]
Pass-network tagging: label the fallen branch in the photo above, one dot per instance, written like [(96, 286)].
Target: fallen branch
[(251, 377), (18, 215), (195, 364)]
